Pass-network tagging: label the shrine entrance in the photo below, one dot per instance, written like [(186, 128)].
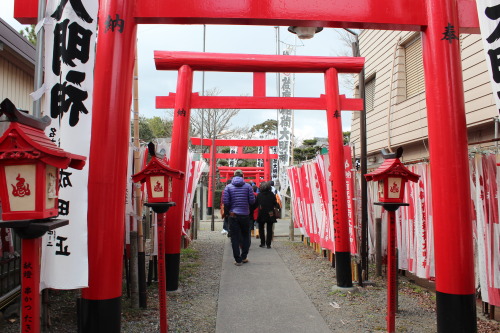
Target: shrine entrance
[(455, 297), (184, 99)]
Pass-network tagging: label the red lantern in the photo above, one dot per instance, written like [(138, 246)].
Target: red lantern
[(392, 176), (29, 167), (158, 177)]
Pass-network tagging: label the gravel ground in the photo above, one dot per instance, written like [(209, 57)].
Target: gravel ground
[(194, 307)]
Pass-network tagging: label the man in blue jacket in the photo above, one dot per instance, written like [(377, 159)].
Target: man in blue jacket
[(238, 197)]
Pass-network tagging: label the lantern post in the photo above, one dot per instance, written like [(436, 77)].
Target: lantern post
[(392, 176), (29, 179), (158, 177)]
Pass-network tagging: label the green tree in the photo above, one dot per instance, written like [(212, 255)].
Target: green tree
[(310, 142), (347, 137), (269, 126), (161, 127), (29, 34), (305, 153), (151, 128)]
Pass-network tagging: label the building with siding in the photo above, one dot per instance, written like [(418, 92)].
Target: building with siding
[(17, 67), (395, 94)]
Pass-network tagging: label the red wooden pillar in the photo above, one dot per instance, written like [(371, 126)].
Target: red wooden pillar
[(456, 309), (100, 306), (30, 284), (211, 173), (267, 165), (336, 154), (178, 161)]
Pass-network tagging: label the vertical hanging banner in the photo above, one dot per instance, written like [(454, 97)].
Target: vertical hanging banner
[(489, 22), (285, 123), (350, 202), (70, 38)]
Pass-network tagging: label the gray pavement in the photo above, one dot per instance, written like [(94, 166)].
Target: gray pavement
[(262, 295)]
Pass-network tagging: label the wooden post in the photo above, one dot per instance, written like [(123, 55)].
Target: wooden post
[(378, 246)]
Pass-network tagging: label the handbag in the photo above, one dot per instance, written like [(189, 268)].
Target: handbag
[(277, 212)]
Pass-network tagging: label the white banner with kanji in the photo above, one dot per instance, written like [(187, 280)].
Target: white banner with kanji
[(70, 40), (489, 21)]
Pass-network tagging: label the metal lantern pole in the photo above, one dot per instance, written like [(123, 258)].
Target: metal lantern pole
[(391, 272), (162, 282)]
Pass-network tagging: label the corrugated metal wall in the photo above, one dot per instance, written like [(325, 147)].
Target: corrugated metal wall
[(16, 85)]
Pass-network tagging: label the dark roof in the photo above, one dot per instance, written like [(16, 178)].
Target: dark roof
[(16, 43)]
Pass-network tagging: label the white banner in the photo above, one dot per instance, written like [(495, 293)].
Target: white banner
[(70, 38), (285, 123), (489, 22)]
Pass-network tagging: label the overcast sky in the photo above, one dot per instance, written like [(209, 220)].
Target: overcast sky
[(229, 39)]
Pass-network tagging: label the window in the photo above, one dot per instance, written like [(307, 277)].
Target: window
[(414, 68), (369, 97), (370, 94)]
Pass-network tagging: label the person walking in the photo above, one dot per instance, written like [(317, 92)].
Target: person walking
[(266, 202), (238, 198)]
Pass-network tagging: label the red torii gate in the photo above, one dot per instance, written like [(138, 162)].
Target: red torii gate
[(332, 102), (255, 174), (445, 110), (240, 143)]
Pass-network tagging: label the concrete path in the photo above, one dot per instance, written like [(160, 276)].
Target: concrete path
[(263, 296)]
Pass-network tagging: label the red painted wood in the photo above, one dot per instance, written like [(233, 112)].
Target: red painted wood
[(250, 102), (109, 152), (448, 153), (30, 284), (212, 157), (259, 84), (178, 160), (243, 156), (244, 169), (234, 62), (365, 14), (391, 273), (267, 164), (235, 142), (336, 153)]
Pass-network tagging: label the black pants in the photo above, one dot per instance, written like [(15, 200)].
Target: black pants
[(240, 235), (263, 236)]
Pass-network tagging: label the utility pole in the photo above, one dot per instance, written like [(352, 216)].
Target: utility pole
[(141, 255)]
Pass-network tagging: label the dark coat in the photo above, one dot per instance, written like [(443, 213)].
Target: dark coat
[(238, 197), (266, 202)]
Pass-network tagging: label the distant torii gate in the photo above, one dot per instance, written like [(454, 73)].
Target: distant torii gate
[(259, 65), (455, 287), (240, 143), (255, 174)]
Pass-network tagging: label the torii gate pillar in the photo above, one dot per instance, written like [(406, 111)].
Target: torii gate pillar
[(453, 249)]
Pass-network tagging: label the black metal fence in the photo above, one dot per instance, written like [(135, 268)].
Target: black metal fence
[(10, 273)]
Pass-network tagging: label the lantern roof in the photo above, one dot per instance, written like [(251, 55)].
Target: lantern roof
[(392, 167), (156, 167), (25, 139)]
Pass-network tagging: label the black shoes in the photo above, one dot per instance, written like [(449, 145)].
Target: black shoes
[(262, 245), (269, 246)]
